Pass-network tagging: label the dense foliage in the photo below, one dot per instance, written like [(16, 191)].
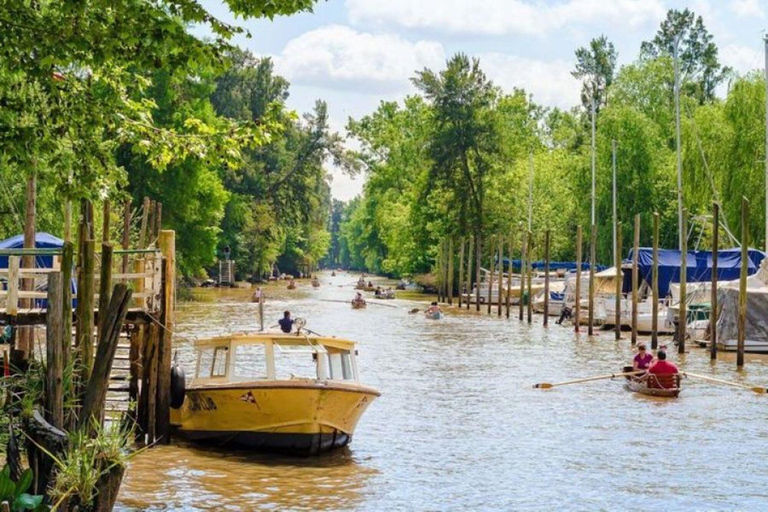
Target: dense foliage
[(454, 160)]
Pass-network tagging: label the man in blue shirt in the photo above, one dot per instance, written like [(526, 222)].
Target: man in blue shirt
[(286, 323)]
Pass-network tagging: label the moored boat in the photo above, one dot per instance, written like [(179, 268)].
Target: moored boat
[(244, 395)]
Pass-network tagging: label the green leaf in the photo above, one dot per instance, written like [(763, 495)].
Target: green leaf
[(24, 482), (27, 502), (7, 487)]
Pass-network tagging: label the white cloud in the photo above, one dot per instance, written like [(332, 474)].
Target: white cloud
[(742, 58), (550, 83), (747, 8), (340, 57), (497, 17)]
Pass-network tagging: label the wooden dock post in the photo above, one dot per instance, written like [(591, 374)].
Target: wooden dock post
[(470, 254), (683, 317), (167, 244), (509, 274), (523, 256), (592, 244), (461, 270), (126, 233), (617, 303), (490, 280), (450, 271), (546, 278), (85, 292), (439, 271), (105, 285), (529, 277), (478, 264), (105, 213), (54, 345), (742, 331), (713, 300), (25, 336), (635, 277), (67, 258), (134, 360), (144, 220), (655, 284), (501, 274), (577, 303)]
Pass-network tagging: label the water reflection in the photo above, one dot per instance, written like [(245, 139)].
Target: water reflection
[(458, 425)]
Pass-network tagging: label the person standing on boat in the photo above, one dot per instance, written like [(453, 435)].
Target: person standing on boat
[(643, 359), (286, 323)]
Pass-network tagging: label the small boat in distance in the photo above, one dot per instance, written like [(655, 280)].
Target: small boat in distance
[(359, 303), (315, 282), (292, 393)]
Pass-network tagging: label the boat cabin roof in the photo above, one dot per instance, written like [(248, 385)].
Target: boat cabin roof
[(283, 339)]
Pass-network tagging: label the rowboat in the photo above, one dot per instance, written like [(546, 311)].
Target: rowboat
[(315, 283), (665, 386), (245, 393), (435, 315), (359, 304)]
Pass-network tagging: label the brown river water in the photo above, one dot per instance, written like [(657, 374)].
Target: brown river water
[(459, 427)]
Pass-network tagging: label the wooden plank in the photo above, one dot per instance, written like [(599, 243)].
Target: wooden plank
[(12, 302), (54, 392)]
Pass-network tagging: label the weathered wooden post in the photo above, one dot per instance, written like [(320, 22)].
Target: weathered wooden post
[(450, 271), (67, 257), (683, 317), (523, 257), (439, 271), (577, 304), (635, 278), (167, 244), (470, 253), (126, 233), (713, 299), (135, 363), (655, 284), (54, 374), (478, 264), (159, 224), (509, 274), (105, 213), (105, 285), (490, 276), (592, 244), (144, 219), (546, 278), (529, 277), (25, 336), (151, 222), (461, 270), (85, 292), (501, 273), (742, 331), (617, 263)]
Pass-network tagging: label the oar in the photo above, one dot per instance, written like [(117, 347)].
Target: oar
[(367, 302), (756, 389), (547, 385)]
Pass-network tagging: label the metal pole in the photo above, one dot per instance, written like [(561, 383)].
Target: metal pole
[(681, 234)]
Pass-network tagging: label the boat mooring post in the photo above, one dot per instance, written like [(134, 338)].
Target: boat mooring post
[(478, 263), (469, 269), (546, 278), (501, 273), (523, 254), (450, 271), (126, 233), (742, 332), (105, 218), (683, 316), (592, 243), (530, 276), (713, 299), (461, 268), (577, 302), (490, 280), (439, 271), (67, 258), (635, 277), (509, 273), (617, 263), (655, 284)]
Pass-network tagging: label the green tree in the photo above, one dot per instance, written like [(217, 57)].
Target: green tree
[(595, 67)]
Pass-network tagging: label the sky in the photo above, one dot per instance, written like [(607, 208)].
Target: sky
[(356, 53)]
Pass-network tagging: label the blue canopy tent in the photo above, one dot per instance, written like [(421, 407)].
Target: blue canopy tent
[(42, 241), (698, 266), (569, 266)]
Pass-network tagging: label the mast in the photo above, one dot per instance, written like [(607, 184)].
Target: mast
[(677, 144)]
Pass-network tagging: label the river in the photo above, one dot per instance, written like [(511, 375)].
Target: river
[(459, 427)]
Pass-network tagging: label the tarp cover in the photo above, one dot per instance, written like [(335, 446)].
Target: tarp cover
[(757, 314), (570, 266), (698, 266), (42, 241)]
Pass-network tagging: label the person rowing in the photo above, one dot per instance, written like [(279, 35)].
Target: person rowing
[(643, 359), (661, 373), (286, 323), (433, 310)]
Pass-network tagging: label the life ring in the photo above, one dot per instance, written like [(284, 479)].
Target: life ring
[(178, 387)]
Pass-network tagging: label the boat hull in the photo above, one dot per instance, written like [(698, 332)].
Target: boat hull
[(640, 387), (300, 418)]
